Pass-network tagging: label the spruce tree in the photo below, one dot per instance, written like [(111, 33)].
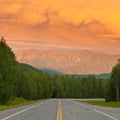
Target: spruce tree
[(7, 71), (116, 80)]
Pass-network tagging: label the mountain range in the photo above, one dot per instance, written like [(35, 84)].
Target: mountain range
[(69, 62)]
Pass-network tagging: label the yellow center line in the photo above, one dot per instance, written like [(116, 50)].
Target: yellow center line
[(59, 111)]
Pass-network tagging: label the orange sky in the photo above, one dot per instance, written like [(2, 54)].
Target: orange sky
[(61, 24)]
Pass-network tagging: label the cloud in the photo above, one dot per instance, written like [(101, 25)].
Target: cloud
[(34, 12), (80, 23)]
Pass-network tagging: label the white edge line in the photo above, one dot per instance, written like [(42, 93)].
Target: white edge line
[(105, 114), (22, 111), (101, 113)]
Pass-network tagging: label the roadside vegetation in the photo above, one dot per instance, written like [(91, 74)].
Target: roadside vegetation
[(18, 80), (17, 102), (101, 103)]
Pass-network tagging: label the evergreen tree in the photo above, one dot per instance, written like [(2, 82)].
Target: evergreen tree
[(115, 80), (7, 71)]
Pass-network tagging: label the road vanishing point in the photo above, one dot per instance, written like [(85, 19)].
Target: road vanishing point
[(60, 109)]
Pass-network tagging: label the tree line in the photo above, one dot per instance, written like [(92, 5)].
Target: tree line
[(22, 80)]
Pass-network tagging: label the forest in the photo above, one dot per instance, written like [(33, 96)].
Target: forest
[(22, 80)]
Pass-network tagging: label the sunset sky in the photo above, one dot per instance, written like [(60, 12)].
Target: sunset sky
[(61, 24)]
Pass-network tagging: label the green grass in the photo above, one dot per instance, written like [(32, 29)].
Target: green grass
[(101, 103), (16, 102)]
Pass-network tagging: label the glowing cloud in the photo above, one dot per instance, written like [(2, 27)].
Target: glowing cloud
[(79, 24)]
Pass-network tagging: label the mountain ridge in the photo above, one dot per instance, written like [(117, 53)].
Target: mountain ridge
[(73, 62)]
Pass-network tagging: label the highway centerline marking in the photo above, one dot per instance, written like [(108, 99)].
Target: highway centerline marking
[(105, 114), (6, 118), (59, 111)]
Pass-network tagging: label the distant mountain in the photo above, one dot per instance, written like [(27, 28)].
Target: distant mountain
[(103, 76), (30, 68), (82, 62), (52, 72)]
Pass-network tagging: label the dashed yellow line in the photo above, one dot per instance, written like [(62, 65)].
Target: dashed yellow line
[(59, 111)]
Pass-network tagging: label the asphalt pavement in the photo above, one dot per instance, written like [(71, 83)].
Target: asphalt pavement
[(79, 111), (59, 109)]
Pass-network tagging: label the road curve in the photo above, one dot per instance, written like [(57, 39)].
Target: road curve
[(56, 110)]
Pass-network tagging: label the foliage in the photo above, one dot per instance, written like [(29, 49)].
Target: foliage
[(113, 93), (8, 71), (101, 103), (16, 102)]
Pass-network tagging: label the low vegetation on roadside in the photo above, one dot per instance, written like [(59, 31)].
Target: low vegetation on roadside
[(17, 102), (101, 102)]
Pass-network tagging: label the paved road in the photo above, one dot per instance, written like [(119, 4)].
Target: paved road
[(58, 110), (79, 111), (43, 111)]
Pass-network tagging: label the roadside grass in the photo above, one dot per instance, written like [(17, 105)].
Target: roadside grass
[(101, 102), (17, 102)]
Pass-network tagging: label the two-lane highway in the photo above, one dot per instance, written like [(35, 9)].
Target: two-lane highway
[(56, 110)]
